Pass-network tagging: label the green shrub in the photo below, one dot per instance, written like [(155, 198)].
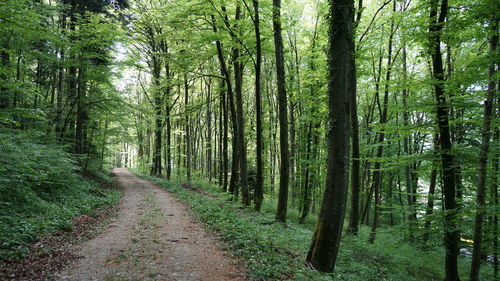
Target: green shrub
[(40, 191)]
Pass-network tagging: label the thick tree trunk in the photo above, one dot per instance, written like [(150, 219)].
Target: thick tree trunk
[(282, 114), (325, 244)]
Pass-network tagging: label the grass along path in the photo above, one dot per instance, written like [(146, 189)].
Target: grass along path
[(277, 252)]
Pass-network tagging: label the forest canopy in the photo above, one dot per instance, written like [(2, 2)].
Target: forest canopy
[(352, 118)]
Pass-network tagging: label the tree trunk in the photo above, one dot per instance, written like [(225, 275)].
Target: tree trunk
[(230, 101), (325, 244), (494, 201), (259, 178), (282, 114), (168, 125), (4, 91), (225, 151), (451, 234), (355, 168), (483, 157), (188, 129), (156, 169), (355, 174), (240, 133)]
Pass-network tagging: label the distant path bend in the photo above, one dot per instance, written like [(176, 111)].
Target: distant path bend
[(152, 238)]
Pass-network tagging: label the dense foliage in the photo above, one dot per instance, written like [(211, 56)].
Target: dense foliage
[(379, 114), (41, 192), (56, 97)]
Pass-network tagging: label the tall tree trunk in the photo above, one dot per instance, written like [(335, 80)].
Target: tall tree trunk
[(225, 151), (156, 169), (451, 234), (325, 244), (242, 148), (292, 162), (209, 131), (282, 114), (494, 201), (483, 157), (230, 101), (188, 129), (168, 113), (355, 164), (169, 143), (259, 177)]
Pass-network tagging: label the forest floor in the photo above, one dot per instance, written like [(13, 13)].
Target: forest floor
[(152, 238)]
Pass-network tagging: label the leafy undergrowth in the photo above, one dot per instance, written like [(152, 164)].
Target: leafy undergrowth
[(41, 192), (53, 252), (276, 252)]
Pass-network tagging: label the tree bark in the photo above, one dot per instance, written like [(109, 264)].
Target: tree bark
[(188, 129), (259, 178), (240, 133), (226, 99), (451, 234), (483, 157), (325, 244), (282, 114)]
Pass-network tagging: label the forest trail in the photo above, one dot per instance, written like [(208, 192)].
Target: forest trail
[(152, 238)]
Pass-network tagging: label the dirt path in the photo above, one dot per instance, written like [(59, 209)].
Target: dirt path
[(152, 238)]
